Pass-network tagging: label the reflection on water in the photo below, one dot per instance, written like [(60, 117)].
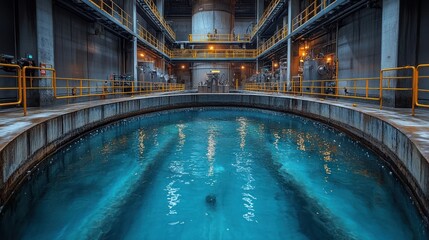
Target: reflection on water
[(218, 174)]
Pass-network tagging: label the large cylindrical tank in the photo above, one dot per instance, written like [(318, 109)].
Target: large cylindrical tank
[(200, 70), (211, 17)]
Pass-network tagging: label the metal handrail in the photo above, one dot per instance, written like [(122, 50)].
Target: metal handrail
[(115, 11), (215, 53), (68, 88), (18, 87), (264, 17), (31, 78), (395, 77), (161, 19), (417, 88), (356, 88), (277, 37), (147, 36), (309, 12), (219, 38)]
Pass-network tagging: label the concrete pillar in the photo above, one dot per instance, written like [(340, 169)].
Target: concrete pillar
[(259, 9), (282, 72), (160, 6), (292, 47), (389, 45), (135, 61), (45, 47)]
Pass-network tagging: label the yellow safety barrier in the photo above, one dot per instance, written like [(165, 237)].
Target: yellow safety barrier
[(160, 18), (279, 35), (408, 72), (147, 36), (264, 87), (357, 88), (28, 82), (265, 16), (215, 53), (213, 38), (418, 88), (115, 11), (67, 88), (309, 12), (8, 85), (81, 87)]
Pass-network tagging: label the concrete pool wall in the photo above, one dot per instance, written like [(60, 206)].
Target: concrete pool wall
[(383, 131)]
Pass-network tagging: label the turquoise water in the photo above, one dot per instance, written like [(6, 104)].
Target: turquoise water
[(215, 173)]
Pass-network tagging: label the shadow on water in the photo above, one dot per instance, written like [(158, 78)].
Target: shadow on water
[(115, 227), (315, 221)]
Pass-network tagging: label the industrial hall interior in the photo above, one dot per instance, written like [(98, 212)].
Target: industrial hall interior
[(215, 45), (214, 119)]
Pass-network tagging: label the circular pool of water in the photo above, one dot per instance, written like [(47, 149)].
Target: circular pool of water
[(213, 173)]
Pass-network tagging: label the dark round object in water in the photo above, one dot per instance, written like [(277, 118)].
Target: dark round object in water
[(211, 200)]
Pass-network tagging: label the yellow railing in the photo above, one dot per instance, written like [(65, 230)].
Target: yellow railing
[(219, 38), (147, 36), (398, 74), (11, 84), (419, 88), (67, 88), (31, 78), (115, 11), (277, 37), (264, 16), (309, 12), (33, 81), (160, 18), (357, 88), (215, 53)]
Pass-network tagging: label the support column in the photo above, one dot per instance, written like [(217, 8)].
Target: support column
[(135, 61), (283, 72), (160, 6), (45, 47), (259, 9), (292, 48), (389, 45)]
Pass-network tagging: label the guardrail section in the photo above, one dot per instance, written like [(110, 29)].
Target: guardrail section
[(152, 7), (265, 16), (309, 12), (148, 37), (213, 38), (115, 11), (11, 85), (276, 38), (398, 79), (421, 92), (213, 54), (357, 88)]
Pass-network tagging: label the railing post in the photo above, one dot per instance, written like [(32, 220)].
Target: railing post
[(24, 91)]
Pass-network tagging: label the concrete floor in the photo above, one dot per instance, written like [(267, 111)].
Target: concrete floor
[(13, 123)]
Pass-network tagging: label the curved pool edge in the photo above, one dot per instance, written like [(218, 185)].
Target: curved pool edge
[(380, 130)]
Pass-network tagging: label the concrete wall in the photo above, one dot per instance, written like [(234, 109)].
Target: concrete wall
[(359, 45), (21, 154), (83, 52)]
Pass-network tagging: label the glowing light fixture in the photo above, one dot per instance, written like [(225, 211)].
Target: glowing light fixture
[(211, 47), (183, 66), (242, 67), (141, 55)]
